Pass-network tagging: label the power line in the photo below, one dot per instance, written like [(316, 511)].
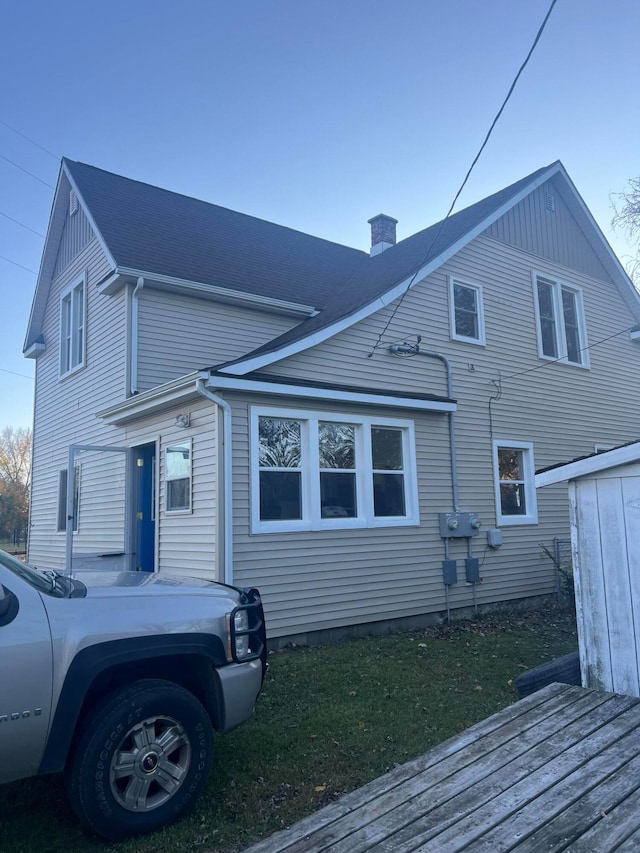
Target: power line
[(33, 231), (564, 358), (466, 177), (15, 263), (26, 171), (13, 373), (32, 141)]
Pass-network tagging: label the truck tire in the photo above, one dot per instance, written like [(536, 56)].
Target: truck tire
[(142, 760), (565, 669)]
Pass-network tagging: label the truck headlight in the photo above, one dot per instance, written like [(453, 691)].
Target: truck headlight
[(239, 631)]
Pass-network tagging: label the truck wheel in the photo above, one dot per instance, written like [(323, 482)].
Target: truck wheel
[(142, 760)]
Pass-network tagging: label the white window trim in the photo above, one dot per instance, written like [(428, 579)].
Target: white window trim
[(561, 340), (187, 510), (311, 517), (481, 339), (67, 296), (529, 484)]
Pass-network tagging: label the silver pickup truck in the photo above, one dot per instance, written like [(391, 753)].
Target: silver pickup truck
[(120, 680)]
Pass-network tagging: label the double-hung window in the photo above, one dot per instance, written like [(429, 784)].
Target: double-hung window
[(514, 482), (72, 328), (313, 471), (466, 313), (560, 319)]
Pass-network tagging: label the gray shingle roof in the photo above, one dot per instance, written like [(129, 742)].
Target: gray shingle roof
[(157, 231)]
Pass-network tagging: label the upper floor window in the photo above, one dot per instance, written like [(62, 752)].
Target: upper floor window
[(72, 328), (561, 328), (514, 482), (465, 311), (312, 471)]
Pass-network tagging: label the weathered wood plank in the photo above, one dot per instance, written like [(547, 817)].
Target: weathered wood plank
[(619, 829), (579, 820), (450, 770), (454, 811), (543, 703), (554, 800)]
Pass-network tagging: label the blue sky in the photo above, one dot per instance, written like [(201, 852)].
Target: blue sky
[(312, 115)]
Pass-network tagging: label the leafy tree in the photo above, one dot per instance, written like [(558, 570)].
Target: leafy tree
[(15, 481), (626, 207)]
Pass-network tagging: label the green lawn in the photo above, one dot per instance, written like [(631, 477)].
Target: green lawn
[(10, 548), (330, 719)]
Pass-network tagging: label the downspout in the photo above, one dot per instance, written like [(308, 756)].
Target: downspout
[(227, 482), (408, 349), (133, 378)]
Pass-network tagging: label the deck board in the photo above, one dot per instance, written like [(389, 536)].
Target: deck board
[(555, 771)]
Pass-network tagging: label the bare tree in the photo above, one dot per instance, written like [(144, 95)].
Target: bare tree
[(15, 481), (626, 206)]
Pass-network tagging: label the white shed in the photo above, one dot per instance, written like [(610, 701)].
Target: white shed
[(604, 500)]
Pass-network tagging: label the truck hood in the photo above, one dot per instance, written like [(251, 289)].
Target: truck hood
[(128, 583)]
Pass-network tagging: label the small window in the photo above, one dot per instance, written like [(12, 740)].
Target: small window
[(560, 322), (178, 477), (514, 483), (72, 328), (62, 499), (312, 472), (466, 311)]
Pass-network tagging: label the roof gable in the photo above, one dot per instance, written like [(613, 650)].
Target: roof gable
[(388, 275)]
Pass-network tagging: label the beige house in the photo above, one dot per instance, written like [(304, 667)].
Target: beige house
[(354, 433)]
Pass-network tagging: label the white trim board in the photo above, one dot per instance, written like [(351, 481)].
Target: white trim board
[(221, 383), (591, 465)]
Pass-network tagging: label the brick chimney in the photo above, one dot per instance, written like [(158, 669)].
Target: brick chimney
[(383, 233)]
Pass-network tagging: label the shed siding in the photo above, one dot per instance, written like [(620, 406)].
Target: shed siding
[(552, 234), (178, 334), (563, 410)]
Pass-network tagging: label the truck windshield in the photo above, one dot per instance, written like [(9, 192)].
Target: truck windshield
[(33, 576)]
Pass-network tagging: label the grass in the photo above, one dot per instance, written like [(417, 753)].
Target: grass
[(10, 548), (330, 719)]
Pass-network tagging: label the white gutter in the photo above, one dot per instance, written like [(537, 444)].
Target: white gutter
[(227, 482), (233, 383), (133, 379), (298, 309)]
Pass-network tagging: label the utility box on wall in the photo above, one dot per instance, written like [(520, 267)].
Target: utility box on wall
[(604, 500)]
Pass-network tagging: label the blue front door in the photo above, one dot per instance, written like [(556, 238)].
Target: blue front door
[(145, 510)]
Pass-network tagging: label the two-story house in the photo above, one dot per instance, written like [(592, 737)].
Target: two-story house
[(222, 396)]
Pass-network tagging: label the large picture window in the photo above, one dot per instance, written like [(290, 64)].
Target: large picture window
[(514, 483), (72, 328), (466, 311), (313, 471), (560, 322)]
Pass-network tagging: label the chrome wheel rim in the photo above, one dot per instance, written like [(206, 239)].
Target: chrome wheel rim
[(150, 764)]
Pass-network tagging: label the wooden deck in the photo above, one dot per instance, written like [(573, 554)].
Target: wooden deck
[(559, 770)]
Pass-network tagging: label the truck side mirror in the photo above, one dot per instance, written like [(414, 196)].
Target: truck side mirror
[(8, 606)]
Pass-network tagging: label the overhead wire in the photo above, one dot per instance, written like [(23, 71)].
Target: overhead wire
[(15, 263), (466, 177), (17, 221), (27, 172), (29, 139)]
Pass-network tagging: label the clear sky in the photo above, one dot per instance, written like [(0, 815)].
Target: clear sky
[(315, 115)]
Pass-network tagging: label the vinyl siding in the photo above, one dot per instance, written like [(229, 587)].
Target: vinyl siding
[(65, 413), (178, 334), (76, 234), (338, 578), (552, 234)]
